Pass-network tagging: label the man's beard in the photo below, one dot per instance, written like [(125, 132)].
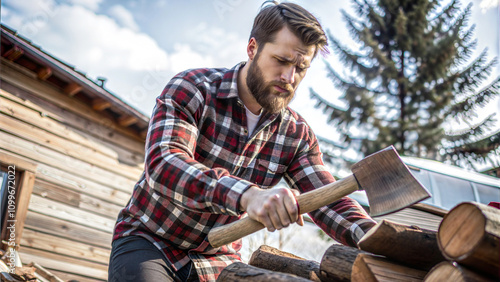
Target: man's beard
[(269, 98)]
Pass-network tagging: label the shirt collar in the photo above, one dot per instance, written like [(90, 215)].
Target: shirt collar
[(229, 84)]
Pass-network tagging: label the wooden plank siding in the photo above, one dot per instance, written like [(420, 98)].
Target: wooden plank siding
[(86, 167)]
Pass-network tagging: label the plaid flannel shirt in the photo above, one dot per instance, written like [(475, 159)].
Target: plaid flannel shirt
[(200, 160)]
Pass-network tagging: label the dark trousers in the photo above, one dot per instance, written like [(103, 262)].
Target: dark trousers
[(134, 258)]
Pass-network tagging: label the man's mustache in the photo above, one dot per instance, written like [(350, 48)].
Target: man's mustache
[(286, 86)]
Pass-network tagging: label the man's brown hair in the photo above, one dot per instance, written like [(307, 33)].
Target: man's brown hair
[(272, 18)]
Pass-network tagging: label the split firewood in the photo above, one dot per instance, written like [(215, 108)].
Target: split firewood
[(450, 271), (371, 268), (239, 271), (408, 245), (469, 234), (45, 273), (270, 258), (336, 264)]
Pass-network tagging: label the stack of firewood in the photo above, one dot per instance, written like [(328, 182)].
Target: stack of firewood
[(469, 238), (465, 248)]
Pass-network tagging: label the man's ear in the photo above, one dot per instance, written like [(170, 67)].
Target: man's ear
[(252, 48)]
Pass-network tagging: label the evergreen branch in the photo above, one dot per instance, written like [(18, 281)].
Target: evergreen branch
[(323, 102), (466, 108), (353, 60), (477, 150), (443, 17), (335, 114), (474, 74), (346, 55), (466, 135), (375, 19), (343, 84), (447, 13)]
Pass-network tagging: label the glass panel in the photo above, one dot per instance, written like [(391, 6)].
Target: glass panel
[(423, 177), (487, 193), (453, 190)]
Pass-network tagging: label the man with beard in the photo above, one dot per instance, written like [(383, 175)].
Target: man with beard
[(218, 139)]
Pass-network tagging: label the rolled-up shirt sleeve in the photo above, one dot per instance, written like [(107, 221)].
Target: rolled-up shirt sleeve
[(170, 166)]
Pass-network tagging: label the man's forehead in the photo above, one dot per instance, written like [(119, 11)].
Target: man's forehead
[(296, 56)]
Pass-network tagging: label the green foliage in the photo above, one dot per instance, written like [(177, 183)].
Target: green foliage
[(412, 76)]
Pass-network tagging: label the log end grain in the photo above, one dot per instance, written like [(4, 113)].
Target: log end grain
[(461, 230), (451, 271)]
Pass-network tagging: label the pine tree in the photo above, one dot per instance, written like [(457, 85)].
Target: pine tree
[(412, 77)]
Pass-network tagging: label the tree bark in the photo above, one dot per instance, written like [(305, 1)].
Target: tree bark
[(336, 264), (239, 271), (469, 234), (270, 258), (449, 271), (408, 245), (371, 268)]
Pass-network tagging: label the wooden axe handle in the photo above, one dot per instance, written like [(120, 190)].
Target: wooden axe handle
[(307, 202)]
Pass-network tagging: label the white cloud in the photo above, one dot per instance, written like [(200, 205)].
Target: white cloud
[(30, 8), (488, 4), (224, 46), (98, 42), (184, 58), (123, 16), (28, 16), (93, 5)]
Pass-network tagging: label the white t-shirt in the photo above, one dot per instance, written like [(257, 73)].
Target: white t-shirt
[(252, 120)]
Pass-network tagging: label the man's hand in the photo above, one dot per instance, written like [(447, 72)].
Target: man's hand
[(274, 208)]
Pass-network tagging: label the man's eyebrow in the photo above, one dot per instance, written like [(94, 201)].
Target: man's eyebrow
[(294, 61)]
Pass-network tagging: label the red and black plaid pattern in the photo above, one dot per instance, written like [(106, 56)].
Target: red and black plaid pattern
[(199, 161)]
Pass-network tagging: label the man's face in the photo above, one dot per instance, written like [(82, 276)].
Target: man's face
[(277, 69)]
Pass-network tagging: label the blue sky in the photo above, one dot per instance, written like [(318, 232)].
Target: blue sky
[(139, 45)]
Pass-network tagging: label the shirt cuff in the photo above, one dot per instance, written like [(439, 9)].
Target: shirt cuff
[(236, 189)]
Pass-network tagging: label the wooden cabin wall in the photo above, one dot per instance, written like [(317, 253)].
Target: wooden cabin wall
[(87, 166)]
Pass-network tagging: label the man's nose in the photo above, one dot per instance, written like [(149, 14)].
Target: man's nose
[(288, 74)]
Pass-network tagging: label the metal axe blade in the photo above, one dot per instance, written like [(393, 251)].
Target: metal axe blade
[(388, 182)]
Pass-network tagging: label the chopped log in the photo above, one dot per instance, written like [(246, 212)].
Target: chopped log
[(270, 258), (45, 273), (409, 245), (239, 271), (430, 209), (336, 264), (469, 234), (367, 268), (450, 271), (25, 273)]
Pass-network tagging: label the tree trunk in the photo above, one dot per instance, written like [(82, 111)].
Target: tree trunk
[(408, 245), (469, 234), (275, 260), (336, 264), (449, 271), (239, 271), (370, 268)]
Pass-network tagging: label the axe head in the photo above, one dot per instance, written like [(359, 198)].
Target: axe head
[(388, 182)]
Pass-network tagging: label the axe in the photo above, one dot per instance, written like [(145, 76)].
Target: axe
[(388, 183)]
